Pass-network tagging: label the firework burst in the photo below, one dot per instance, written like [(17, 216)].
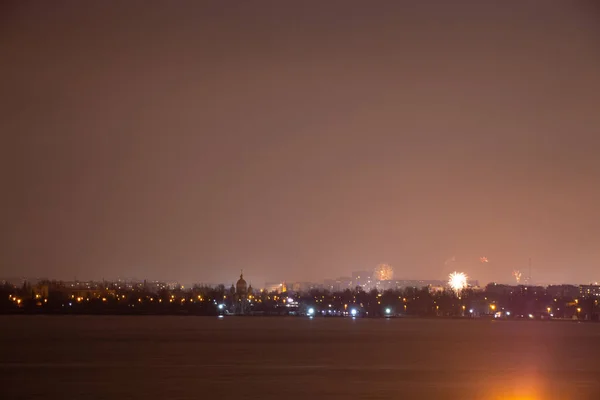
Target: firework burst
[(517, 275), (458, 282), (383, 272)]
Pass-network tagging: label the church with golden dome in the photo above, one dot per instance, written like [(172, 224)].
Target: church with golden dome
[(240, 294)]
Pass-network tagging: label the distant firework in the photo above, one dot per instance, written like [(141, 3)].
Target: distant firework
[(383, 272), (458, 282), (517, 275), (450, 260), (483, 259)]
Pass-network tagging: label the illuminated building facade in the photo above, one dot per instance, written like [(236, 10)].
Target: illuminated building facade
[(241, 294), (362, 279), (589, 290)]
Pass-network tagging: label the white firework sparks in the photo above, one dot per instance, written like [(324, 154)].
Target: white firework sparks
[(458, 282)]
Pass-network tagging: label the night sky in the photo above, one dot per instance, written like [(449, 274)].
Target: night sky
[(188, 140)]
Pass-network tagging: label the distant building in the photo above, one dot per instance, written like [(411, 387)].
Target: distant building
[(304, 286), (589, 290), (329, 284), (155, 286), (276, 287), (418, 283), (240, 294), (385, 285), (344, 282), (569, 291), (498, 288), (339, 284), (362, 279), (42, 290), (436, 289), (509, 289)]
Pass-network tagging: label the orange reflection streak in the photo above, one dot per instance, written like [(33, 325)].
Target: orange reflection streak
[(524, 383)]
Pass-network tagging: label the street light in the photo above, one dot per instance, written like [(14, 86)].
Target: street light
[(388, 311)]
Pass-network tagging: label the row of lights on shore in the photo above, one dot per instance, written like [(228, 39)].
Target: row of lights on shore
[(289, 301), (353, 312)]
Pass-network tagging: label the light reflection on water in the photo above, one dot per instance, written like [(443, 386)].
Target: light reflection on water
[(157, 357)]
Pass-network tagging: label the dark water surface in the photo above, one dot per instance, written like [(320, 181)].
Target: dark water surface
[(94, 357)]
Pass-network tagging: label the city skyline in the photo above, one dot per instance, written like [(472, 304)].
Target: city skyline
[(527, 272), (355, 277)]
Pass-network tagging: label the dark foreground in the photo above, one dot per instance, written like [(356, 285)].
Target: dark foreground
[(296, 358)]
